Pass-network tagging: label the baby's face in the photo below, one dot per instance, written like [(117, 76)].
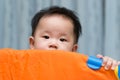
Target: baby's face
[(54, 33)]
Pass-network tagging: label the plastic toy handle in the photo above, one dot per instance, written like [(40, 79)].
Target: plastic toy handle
[(96, 63), (117, 72)]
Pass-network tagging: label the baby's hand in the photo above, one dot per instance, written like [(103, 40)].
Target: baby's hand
[(108, 62), (118, 62)]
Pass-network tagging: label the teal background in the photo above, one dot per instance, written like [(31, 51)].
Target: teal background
[(100, 21)]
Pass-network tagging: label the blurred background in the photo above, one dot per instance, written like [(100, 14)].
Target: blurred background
[(100, 21)]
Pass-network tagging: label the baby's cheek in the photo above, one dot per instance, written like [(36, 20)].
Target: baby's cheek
[(37, 44), (66, 47)]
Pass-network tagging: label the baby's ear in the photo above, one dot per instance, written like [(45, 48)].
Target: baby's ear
[(31, 42), (75, 47)]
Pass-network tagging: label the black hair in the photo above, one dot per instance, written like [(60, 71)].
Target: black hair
[(61, 11)]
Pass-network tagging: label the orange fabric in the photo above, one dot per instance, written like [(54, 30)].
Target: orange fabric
[(48, 65)]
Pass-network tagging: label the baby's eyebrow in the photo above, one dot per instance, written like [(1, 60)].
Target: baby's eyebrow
[(63, 34), (59, 33), (48, 32)]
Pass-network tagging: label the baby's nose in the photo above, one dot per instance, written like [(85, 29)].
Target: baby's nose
[(53, 45)]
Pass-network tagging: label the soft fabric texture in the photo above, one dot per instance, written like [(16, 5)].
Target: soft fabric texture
[(48, 65)]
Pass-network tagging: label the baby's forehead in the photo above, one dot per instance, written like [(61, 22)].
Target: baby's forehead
[(58, 15)]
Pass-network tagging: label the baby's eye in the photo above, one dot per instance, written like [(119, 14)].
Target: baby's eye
[(63, 40), (46, 37)]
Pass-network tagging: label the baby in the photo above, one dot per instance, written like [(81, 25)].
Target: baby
[(58, 28)]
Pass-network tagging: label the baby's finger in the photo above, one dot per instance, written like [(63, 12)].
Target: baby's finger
[(114, 64), (118, 62), (108, 64), (105, 59), (99, 56)]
